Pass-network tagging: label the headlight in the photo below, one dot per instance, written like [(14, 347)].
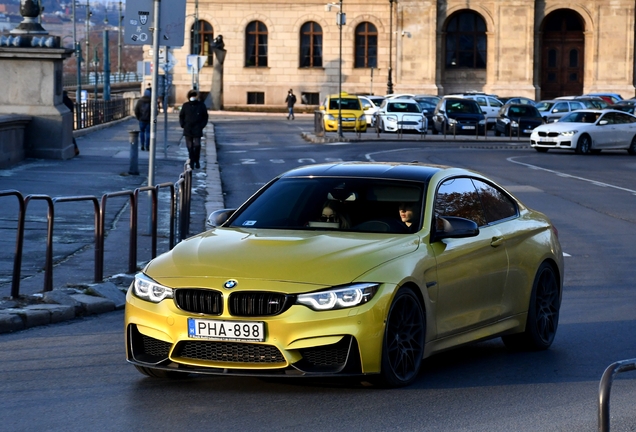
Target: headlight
[(482, 122), (147, 289), (339, 298), (569, 133), (514, 124), (452, 121), (329, 117)]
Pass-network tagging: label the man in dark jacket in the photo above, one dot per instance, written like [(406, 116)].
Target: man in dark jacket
[(142, 112), (290, 100), (193, 118)]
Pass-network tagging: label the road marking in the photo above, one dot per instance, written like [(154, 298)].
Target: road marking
[(562, 174)]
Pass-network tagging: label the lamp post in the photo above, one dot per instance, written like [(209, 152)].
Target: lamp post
[(95, 64), (341, 19), (87, 22), (195, 43), (119, 43), (389, 83), (78, 58)]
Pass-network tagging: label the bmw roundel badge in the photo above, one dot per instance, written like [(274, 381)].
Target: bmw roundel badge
[(230, 284)]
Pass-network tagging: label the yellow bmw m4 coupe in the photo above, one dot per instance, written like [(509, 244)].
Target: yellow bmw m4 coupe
[(349, 269)]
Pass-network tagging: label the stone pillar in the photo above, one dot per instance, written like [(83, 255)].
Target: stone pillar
[(216, 92), (31, 77)]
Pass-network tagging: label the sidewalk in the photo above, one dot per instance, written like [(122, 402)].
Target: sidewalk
[(101, 167)]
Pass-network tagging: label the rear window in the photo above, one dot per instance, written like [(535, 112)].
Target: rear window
[(346, 104)]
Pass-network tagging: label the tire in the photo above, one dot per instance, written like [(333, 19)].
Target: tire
[(541, 149), (632, 147), (434, 129), (497, 133), (584, 145), (543, 313), (403, 345), (160, 373)]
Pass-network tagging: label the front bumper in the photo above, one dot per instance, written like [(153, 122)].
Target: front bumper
[(553, 142), (298, 342), (347, 125)]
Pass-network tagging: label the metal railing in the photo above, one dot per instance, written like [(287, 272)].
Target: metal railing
[(70, 81), (605, 387), (95, 112), (180, 192)]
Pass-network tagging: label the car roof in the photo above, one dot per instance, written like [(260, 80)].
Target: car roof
[(413, 171)]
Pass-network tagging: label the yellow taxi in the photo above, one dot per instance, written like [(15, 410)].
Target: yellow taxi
[(350, 107)]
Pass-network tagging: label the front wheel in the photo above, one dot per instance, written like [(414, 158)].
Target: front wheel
[(584, 145), (543, 313), (403, 345)]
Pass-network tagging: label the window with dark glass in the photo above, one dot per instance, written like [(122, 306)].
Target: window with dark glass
[(574, 58), (256, 44), (255, 98), (201, 37), (466, 41), (458, 197), (366, 46), (496, 204), (310, 45)]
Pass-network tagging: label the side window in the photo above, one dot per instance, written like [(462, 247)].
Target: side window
[(561, 107), (458, 197), (622, 118), (496, 204), (576, 106), (494, 102), (481, 101)]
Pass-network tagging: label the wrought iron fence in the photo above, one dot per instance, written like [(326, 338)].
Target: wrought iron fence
[(95, 112), (132, 77)]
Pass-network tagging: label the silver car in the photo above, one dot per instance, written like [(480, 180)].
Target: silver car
[(553, 110)]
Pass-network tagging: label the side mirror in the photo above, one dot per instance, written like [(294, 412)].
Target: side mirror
[(602, 122), (454, 227), (321, 107), (366, 107), (218, 217)]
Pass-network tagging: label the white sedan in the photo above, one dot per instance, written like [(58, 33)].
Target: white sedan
[(401, 114), (588, 131)]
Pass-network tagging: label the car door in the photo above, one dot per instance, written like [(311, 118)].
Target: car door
[(471, 272), (625, 130)]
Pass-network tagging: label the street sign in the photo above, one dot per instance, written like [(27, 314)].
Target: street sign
[(194, 63), (139, 20)]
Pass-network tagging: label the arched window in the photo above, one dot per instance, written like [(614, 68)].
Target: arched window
[(310, 45), (366, 46), (466, 41), (256, 44), (201, 37)]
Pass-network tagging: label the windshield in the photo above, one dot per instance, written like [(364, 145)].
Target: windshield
[(403, 107), (462, 107), (343, 204), (523, 111), (580, 117), (346, 104), (544, 106)]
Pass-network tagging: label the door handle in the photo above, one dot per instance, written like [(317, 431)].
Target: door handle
[(496, 241)]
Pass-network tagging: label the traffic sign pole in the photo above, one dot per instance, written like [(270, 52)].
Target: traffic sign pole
[(153, 105)]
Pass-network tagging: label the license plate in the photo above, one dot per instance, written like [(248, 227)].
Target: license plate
[(468, 127), (527, 131), (253, 331), (546, 140)]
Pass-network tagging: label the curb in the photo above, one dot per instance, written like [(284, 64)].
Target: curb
[(63, 304)]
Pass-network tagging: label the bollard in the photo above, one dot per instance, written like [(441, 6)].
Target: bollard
[(134, 153)]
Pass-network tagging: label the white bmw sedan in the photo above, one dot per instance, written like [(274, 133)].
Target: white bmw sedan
[(588, 131)]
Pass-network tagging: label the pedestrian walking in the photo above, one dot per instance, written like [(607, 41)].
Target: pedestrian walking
[(142, 113), (290, 101), (71, 106), (193, 117)]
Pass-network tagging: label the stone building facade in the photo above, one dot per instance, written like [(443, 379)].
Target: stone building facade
[(533, 48)]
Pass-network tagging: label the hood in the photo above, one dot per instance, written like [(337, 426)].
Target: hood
[(308, 257), (563, 126)]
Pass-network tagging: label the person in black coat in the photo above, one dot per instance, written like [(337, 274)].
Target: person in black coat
[(71, 107), (142, 113), (193, 118)]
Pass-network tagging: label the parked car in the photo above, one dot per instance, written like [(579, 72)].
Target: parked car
[(628, 108), (592, 102), (427, 104), (588, 131), (458, 115), (353, 117), (517, 100), (370, 106), (517, 119), (420, 259), (611, 98), (401, 114), (553, 110), (489, 104)]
